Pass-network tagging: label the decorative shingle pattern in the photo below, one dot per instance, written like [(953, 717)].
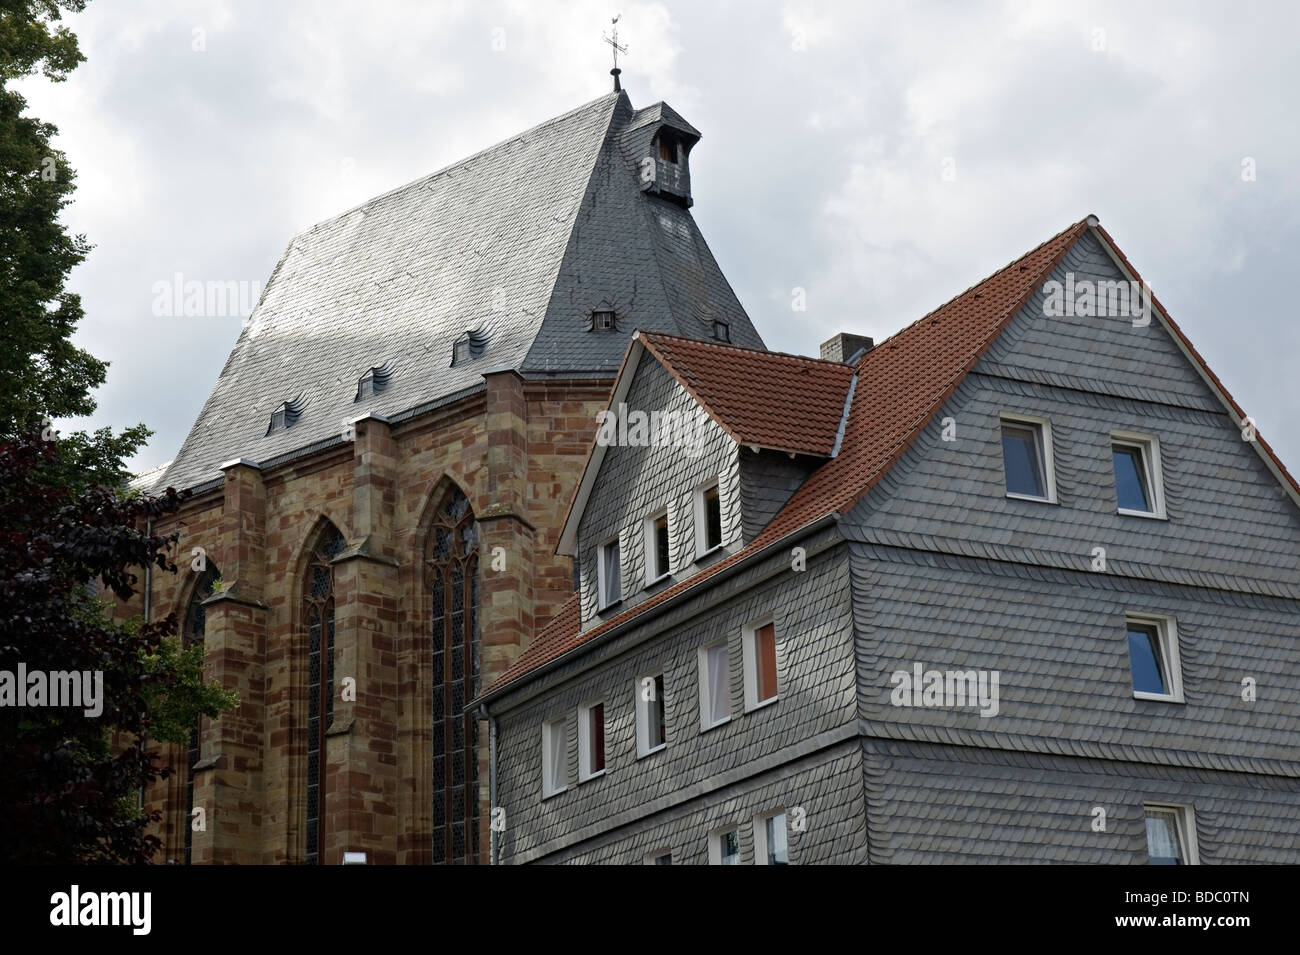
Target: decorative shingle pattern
[(949, 804)]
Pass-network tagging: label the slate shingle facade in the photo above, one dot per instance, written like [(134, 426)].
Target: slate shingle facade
[(935, 564)]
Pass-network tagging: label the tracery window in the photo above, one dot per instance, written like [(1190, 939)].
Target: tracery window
[(451, 579), (194, 629), (318, 617)]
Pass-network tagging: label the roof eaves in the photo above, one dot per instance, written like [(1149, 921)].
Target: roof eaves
[(661, 603), (596, 450)]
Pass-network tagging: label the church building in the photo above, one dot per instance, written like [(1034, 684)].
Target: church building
[(380, 475)]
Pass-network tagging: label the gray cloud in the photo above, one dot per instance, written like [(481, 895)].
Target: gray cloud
[(826, 129)]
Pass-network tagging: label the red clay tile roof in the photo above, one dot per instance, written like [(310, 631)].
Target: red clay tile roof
[(761, 398), (554, 638), (901, 383)]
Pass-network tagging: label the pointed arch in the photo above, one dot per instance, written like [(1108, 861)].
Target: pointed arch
[(193, 631), (449, 581), (317, 582)]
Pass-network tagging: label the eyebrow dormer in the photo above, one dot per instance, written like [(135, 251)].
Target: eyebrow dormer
[(468, 346), (374, 381), (287, 414), (660, 141)]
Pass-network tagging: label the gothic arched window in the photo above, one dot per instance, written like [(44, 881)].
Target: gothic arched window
[(318, 617), (451, 576), (195, 627)]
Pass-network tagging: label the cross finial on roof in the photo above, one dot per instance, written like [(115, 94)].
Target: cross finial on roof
[(612, 40)]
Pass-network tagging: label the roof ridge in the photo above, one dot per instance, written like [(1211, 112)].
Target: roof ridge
[(962, 294), (767, 352), (460, 162)]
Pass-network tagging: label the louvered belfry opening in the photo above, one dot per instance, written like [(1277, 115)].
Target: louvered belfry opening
[(318, 616), (193, 633), (451, 578)]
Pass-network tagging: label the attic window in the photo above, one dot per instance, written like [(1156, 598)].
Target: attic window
[(287, 414), (669, 146), (721, 330), (374, 381), (469, 346), (603, 320)]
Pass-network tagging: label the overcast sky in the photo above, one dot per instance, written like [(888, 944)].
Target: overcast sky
[(827, 130)]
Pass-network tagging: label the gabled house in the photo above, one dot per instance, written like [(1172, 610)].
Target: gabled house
[(1019, 584)]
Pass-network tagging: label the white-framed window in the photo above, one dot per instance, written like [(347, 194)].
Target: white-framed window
[(760, 664), (724, 846), (655, 532), (1153, 657), (715, 685), (771, 839), (555, 762), (1139, 484), (1027, 458), (609, 573), (651, 714), (591, 741), (708, 520), (659, 857), (1171, 834)]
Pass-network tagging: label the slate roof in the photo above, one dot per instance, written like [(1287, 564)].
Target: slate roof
[(518, 243), (661, 113), (901, 383), (764, 399)]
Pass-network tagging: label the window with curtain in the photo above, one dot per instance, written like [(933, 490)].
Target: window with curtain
[(1164, 836), (451, 579), (318, 616), (715, 688), (192, 634)]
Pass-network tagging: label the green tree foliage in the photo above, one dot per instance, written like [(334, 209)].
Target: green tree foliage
[(43, 375), (71, 537), (70, 776)]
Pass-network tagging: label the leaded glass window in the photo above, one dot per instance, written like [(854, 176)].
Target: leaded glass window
[(318, 616), (451, 578), (192, 634)]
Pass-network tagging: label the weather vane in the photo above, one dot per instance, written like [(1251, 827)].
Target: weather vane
[(612, 40)]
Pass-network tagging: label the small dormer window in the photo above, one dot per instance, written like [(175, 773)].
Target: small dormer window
[(669, 146), (287, 414), (461, 351), (469, 346), (603, 320), (721, 330), (374, 381)]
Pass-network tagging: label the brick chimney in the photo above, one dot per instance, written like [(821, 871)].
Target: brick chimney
[(844, 346)]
